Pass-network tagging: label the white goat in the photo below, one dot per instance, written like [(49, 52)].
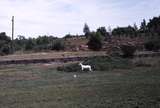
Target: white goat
[(85, 67)]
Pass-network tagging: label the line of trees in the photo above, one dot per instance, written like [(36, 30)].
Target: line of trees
[(41, 43), (44, 43), (149, 30), (152, 28)]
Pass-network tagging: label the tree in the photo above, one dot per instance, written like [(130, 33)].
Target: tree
[(143, 26), (106, 35), (5, 44), (30, 44), (20, 42), (128, 50), (124, 31), (95, 41), (102, 31), (86, 30), (135, 29), (154, 26), (4, 37), (68, 36), (58, 45)]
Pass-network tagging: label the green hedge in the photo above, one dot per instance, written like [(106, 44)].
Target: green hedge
[(99, 64)]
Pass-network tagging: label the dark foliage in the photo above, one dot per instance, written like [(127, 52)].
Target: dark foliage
[(154, 26), (5, 49), (30, 44), (42, 43), (58, 45), (152, 45), (128, 50), (95, 41), (86, 30), (4, 38), (103, 31), (70, 68), (5, 44), (99, 64), (124, 31)]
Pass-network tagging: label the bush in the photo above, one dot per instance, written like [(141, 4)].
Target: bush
[(107, 63), (70, 68), (95, 41), (44, 47), (5, 44), (30, 44), (58, 45), (5, 49), (99, 64), (128, 50), (152, 45)]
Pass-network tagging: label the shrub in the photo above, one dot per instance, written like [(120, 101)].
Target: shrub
[(70, 68), (58, 45), (44, 47), (95, 41), (5, 49), (152, 45), (5, 43), (30, 44), (115, 52), (128, 50), (107, 63), (99, 64)]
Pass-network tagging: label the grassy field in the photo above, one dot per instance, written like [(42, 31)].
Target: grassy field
[(42, 86)]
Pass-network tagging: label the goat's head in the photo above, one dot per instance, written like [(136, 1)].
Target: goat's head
[(80, 63)]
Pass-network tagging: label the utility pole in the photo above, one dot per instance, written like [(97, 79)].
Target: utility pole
[(12, 46)]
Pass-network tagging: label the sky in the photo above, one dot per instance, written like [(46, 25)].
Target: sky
[(61, 17)]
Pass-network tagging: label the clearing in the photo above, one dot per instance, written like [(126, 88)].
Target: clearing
[(42, 86)]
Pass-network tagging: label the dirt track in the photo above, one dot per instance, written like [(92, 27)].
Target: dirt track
[(47, 57), (51, 55), (59, 57)]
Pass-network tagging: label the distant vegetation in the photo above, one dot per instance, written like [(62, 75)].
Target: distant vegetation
[(5, 44), (150, 31)]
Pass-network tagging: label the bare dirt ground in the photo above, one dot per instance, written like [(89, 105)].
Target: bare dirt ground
[(51, 55)]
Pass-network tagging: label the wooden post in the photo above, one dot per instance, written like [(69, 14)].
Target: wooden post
[(12, 46)]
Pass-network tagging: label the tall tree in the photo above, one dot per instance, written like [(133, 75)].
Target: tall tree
[(102, 31), (154, 25), (143, 26), (135, 27), (86, 30), (135, 30)]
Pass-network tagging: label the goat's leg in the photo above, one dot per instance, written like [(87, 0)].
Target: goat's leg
[(90, 69)]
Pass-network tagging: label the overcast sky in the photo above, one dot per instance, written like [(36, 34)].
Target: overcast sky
[(60, 17)]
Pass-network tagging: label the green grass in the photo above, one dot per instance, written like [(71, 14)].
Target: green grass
[(39, 86), (101, 63)]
